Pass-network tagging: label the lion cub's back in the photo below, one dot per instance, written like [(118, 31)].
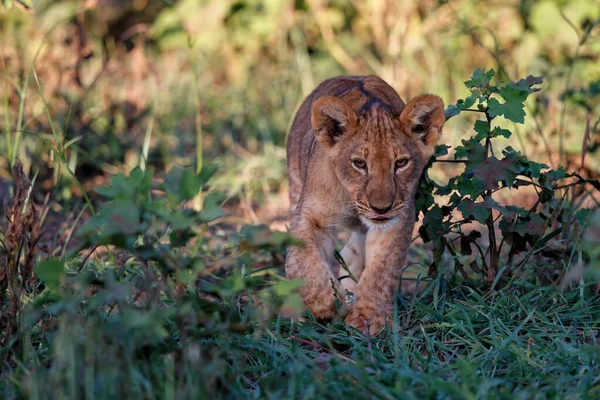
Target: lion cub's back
[(359, 92)]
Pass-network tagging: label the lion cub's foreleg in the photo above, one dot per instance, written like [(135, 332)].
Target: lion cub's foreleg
[(384, 258), (354, 257), (313, 262)]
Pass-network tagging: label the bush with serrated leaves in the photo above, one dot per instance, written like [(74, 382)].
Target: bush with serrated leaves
[(511, 230), (152, 285)]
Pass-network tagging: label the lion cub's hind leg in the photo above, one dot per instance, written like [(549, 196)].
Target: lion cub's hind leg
[(354, 257)]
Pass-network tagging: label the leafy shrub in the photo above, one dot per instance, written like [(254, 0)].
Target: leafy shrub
[(159, 295), (487, 171)]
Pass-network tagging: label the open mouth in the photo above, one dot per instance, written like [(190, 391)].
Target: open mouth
[(380, 218)]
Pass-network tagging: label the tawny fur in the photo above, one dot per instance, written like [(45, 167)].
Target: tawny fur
[(346, 163)]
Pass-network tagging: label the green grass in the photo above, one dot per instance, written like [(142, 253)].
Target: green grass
[(521, 342)]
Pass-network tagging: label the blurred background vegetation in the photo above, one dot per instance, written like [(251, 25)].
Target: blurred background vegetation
[(130, 82)]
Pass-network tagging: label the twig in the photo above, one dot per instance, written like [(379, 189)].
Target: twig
[(481, 253), (586, 138), (452, 161), (86, 258), (557, 187), (456, 262), (493, 249)]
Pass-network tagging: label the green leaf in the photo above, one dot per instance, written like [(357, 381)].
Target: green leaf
[(287, 287), (207, 172), (515, 210), (232, 285), (491, 171), (119, 216), (441, 150), (527, 83), (175, 184), (497, 131), (51, 271), (147, 322), (529, 226), (135, 187), (466, 240), (479, 211), (424, 198), (535, 168), (185, 276), (547, 178), (190, 275), (532, 225), (118, 186), (530, 169), (190, 185), (512, 111), (512, 93), (455, 109), (469, 101), (452, 111), (434, 228), (443, 190), (482, 129), (180, 238), (480, 78), (472, 150), (546, 195), (211, 207), (182, 184), (513, 108), (467, 185)]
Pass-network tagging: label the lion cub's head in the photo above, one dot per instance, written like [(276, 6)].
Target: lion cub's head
[(379, 157)]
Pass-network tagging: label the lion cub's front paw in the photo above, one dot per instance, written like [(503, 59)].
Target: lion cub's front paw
[(326, 303), (363, 319), (324, 307)]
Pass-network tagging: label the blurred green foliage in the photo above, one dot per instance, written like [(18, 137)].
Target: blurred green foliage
[(236, 71)]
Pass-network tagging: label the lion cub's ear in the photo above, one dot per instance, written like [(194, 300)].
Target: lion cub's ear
[(331, 118), (423, 117)]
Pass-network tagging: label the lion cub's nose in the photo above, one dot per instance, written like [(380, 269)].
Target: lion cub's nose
[(379, 209)]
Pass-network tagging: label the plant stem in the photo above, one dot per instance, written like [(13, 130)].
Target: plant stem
[(523, 182), (59, 149), (494, 259), (453, 161), (456, 262), (489, 222)]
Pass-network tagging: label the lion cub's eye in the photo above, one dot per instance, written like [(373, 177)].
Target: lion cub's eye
[(359, 163), (401, 163)]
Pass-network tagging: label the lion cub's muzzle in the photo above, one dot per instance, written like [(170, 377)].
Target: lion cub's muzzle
[(378, 215)]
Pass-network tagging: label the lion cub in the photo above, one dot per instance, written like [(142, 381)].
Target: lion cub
[(355, 154)]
